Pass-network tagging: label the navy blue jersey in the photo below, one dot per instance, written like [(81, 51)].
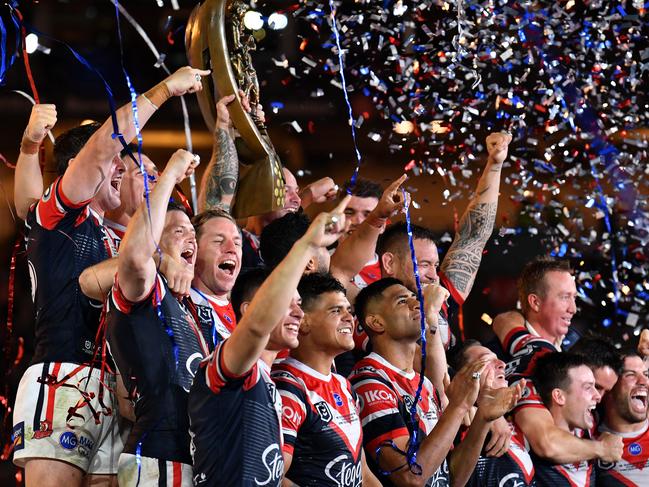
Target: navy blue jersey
[(235, 426), (449, 317), (321, 426), (145, 354), (63, 239), (513, 469), (523, 349), (580, 474)]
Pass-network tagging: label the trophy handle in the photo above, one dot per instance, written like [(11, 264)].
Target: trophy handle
[(210, 27)]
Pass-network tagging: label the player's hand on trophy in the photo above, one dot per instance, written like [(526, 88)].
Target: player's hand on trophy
[(186, 80), (255, 111), (223, 120)]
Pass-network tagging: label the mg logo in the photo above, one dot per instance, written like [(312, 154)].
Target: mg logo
[(635, 449), (69, 440)]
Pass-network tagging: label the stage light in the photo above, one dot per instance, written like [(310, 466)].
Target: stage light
[(253, 20), (277, 21), (31, 43)]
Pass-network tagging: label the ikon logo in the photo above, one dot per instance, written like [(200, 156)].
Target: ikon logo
[(376, 396), (292, 415)]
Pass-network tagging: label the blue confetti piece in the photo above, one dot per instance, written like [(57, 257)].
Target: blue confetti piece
[(341, 62), (413, 446)]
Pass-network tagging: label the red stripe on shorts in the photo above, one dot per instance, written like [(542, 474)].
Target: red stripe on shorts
[(51, 390), (177, 474)]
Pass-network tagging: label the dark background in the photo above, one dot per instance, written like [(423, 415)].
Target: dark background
[(527, 220)]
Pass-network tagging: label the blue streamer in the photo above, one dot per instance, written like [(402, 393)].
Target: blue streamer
[(4, 65), (214, 334), (3, 49), (341, 62), (158, 301), (117, 135), (414, 443), (109, 92)]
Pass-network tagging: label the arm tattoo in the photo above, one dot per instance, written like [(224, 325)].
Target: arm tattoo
[(463, 258), (223, 172)]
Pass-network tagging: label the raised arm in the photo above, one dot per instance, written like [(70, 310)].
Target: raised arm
[(492, 404), (136, 265), (320, 191), (219, 181), (28, 182), (96, 281), (268, 307), (552, 443), (89, 169), (436, 365), (462, 394), (463, 258), (356, 250)]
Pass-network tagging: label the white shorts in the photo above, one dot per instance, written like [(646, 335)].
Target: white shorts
[(152, 471), (53, 418)]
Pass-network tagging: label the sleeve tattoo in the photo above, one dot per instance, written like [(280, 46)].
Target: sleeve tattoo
[(463, 259), (222, 173)]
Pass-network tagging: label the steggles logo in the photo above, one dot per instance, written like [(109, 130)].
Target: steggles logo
[(344, 473)]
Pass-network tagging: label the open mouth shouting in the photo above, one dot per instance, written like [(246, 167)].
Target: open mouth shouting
[(228, 266), (116, 183), (188, 254), (590, 419), (639, 400)]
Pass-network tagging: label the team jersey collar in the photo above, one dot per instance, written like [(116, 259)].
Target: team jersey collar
[(114, 225), (557, 343), (307, 370), (376, 357), (213, 300), (97, 216), (631, 434)]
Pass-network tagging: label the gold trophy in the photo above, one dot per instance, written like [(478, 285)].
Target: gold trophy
[(216, 39)]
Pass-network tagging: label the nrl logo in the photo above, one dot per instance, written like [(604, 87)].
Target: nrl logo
[(324, 411), (204, 313)]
